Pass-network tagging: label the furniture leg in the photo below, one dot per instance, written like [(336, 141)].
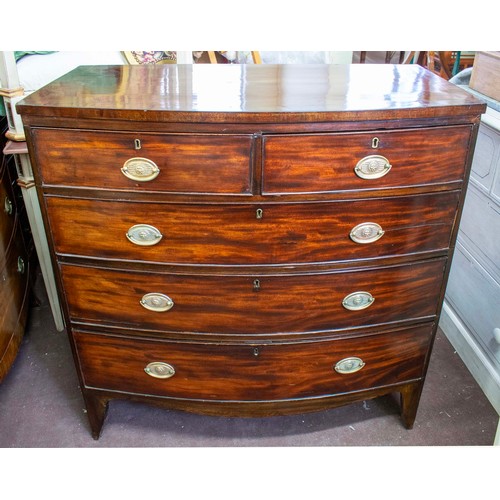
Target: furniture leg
[(410, 396), (97, 408)]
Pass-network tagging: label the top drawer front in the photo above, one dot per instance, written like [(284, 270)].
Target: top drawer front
[(219, 164), (326, 162)]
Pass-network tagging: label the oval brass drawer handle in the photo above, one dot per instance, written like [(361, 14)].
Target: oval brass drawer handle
[(144, 235), (349, 365), (157, 302), (372, 167), (366, 232), (358, 300), (140, 169), (158, 369)]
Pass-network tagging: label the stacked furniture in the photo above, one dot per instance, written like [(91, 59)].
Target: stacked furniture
[(16, 262), (251, 240)]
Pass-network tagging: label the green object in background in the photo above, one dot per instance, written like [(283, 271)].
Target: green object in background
[(456, 66), (19, 54)]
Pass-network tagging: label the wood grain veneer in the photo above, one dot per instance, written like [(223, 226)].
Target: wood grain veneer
[(255, 200)]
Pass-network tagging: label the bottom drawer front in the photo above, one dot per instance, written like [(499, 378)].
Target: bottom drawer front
[(240, 372)]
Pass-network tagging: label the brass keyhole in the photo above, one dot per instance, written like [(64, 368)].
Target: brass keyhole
[(256, 351), (256, 285), (375, 142), (137, 144), (259, 213)]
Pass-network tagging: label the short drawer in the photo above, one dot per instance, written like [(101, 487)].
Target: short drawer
[(257, 305), (240, 234), (252, 372), (141, 161), (328, 162)]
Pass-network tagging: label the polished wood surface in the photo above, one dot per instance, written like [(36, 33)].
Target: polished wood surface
[(231, 305), (187, 163), (255, 372), (287, 233), (249, 93), (255, 200), (325, 162)]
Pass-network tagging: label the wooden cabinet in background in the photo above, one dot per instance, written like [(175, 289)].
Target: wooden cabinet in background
[(16, 262)]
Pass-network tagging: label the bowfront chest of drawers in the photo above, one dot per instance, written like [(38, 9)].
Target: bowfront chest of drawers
[(251, 240)]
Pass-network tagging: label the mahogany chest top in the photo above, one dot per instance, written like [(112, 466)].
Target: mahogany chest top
[(250, 94)]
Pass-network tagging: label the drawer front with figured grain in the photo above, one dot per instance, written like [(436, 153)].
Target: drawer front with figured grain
[(363, 161), (175, 163), (252, 234), (252, 372), (257, 305)]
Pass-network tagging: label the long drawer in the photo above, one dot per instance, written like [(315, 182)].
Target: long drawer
[(257, 305), (371, 160), (173, 163), (251, 372), (252, 234)]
